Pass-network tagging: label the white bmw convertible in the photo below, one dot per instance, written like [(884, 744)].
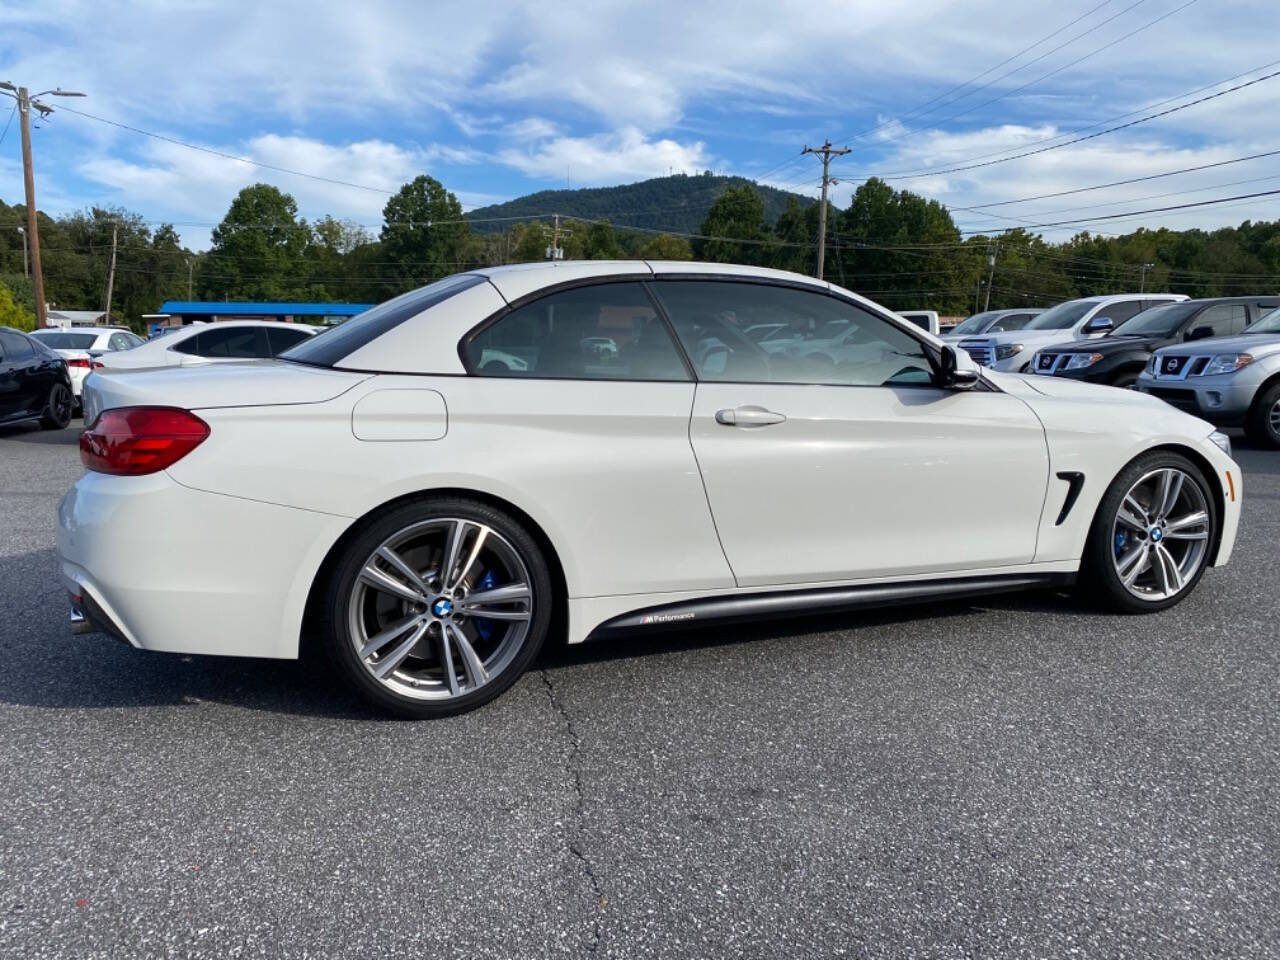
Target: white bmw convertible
[(429, 488)]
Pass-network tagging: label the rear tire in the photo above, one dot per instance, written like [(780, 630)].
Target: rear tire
[(1144, 552), (57, 409), (1125, 381), (1263, 423), (387, 589)]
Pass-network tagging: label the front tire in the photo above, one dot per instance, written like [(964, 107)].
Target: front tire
[(57, 409), (1150, 540), (1263, 423), (436, 606), (1125, 381)]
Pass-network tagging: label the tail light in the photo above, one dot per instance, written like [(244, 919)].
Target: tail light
[(82, 362), (97, 365), (132, 441)]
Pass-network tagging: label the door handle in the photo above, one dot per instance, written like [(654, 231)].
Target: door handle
[(748, 415)]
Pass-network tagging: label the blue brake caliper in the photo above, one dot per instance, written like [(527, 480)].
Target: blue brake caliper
[(485, 627), (1122, 537)]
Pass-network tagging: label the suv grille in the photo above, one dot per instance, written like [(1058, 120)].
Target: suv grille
[(981, 351)]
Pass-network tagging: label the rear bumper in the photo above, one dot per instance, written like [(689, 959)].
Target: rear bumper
[(164, 567)]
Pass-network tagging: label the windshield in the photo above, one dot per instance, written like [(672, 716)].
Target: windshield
[(1268, 324), (1062, 316), (65, 341), (1157, 322), (975, 324)]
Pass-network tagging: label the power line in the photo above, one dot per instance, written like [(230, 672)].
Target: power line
[(12, 114)]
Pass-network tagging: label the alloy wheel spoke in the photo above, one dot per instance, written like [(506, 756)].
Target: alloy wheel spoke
[(1170, 488), (477, 676), (446, 661), (480, 604), (452, 547), (1193, 526), (396, 657), (477, 545), (415, 579), (381, 580), (1131, 514), (1167, 571), (1130, 565), (383, 637)]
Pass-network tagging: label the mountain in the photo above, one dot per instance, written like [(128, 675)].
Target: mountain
[(678, 203)]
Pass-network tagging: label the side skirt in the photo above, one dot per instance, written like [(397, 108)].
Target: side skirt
[(738, 608)]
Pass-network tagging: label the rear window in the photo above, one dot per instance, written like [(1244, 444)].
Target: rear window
[(341, 342), (65, 341)]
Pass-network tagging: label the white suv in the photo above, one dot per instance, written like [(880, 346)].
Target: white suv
[(1081, 319)]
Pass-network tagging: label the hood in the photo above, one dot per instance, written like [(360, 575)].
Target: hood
[(253, 383), (1254, 343), (1109, 345), (1036, 338)]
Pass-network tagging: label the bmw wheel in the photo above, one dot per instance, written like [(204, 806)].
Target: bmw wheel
[(57, 409), (437, 607), (1151, 537)]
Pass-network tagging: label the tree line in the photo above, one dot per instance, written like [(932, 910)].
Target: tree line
[(892, 245)]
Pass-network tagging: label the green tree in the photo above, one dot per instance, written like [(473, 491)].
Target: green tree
[(600, 242), (424, 236), (664, 246), (259, 249), (13, 314), (737, 215)]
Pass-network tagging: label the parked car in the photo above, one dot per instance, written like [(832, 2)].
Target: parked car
[(34, 382), (81, 346), (1118, 359), (924, 319), (1231, 382), (1083, 319), (991, 321), (429, 520), (204, 343)]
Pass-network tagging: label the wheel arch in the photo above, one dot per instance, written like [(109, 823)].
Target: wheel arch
[(1263, 387), (308, 635)]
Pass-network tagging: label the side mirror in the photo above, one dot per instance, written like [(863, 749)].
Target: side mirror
[(1200, 333), (1100, 325), (957, 371)]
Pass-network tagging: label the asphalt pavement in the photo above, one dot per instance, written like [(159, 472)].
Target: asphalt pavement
[(1019, 777)]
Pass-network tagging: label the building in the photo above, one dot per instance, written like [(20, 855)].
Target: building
[(177, 313), (83, 318)]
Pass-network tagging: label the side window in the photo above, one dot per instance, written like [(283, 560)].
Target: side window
[(1223, 319), (118, 341), (243, 343), (280, 339), (609, 331), (1122, 310), (132, 341), (825, 340), (14, 346), (190, 345)]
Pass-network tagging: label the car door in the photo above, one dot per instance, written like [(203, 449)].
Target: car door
[(9, 396), (831, 461), (25, 385)]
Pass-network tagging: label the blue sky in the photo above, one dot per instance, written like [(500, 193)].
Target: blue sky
[(501, 99)]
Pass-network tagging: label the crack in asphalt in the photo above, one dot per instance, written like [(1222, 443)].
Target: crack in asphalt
[(573, 834)]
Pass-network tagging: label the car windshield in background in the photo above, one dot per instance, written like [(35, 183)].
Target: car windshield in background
[(65, 341), (975, 324), (364, 328), (1268, 324), (1061, 317), (1157, 322)]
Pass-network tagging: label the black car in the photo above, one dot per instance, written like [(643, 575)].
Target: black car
[(1117, 359), (34, 382)]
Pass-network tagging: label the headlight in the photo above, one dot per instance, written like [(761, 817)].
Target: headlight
[(1007, 350), (1079, 360), (1226, 363), (1221, 441)]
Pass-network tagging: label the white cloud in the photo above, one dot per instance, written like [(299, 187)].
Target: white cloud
[(606, 158)]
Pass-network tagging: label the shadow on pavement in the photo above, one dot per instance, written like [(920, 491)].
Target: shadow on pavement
[(32, 433)]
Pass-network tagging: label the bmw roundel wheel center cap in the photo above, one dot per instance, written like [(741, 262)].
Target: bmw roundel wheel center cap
[(442, 608)]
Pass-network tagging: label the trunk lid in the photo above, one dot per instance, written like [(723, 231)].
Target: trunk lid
[(252, 383)]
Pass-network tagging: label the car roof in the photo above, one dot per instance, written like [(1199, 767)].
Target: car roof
[(219, 324), (82, 330)]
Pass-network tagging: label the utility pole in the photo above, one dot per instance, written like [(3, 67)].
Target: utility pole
[(991, 271), (25, 103), (826, 151), (554, 252), (26, 272), (111, 273), (1142, 286)]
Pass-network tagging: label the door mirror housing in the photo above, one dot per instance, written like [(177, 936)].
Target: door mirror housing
[(1100, 325), (1200, 333), (957, 371)]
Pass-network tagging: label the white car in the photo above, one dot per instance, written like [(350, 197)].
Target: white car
[(83, 347), (222, 342), (427, 518), (1081, 319), (924, 319)]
